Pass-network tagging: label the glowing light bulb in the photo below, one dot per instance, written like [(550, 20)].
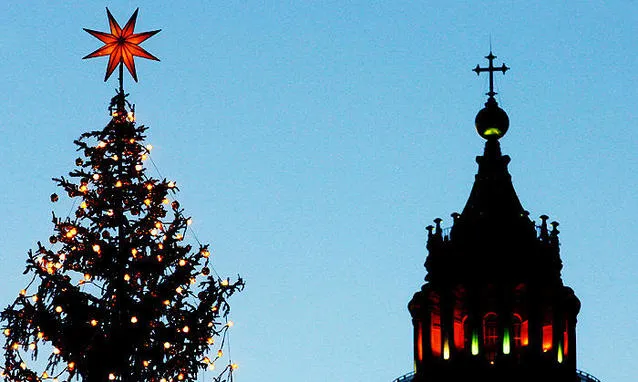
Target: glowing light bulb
[(7, 332), (182, 262), (56, 351), (71, 365), (147, 202), (94, 322), (34, 298), (167, 345), (506, 341), (186, 329), (101, 145), (83, 205), (149, 147), (230, 324), (32, 346), (179, 290), (40, 335), (139, 167), (134, 320), (23, 292), (210, 340), (189, 221), (58, 309), (96, 248), (111, 377), (234, 366), (220, 353), (475, 342), (96, 176), (134, 252), (205, 253), (115, 158), (118, 183), (127, 277), (224, 282), (165, 201), (171, 184)]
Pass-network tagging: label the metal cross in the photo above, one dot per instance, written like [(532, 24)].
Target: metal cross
[(491, 69)]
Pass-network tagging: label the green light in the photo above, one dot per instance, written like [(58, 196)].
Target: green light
[(492, 131), (506, 341), (475, 342), (560, 352)]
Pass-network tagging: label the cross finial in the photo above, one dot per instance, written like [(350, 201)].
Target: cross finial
[(490, 69)]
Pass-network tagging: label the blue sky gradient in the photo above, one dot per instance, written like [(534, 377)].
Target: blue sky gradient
[(313, 142)]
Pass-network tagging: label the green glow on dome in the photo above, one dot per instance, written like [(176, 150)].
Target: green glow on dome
[(475, 342), (492, 131), (506, 341), (560, 352)]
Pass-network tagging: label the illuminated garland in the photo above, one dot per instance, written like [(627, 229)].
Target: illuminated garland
[(118, 295)]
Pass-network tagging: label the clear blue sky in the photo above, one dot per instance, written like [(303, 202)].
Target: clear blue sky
[(314, 141)]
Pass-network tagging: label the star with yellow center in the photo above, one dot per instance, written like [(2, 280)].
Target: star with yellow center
[(121, 45)]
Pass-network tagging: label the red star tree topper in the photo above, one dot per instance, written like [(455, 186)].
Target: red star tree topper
[(121, 45)]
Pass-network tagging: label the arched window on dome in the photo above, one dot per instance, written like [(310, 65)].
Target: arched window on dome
[(566, 339), (435, 332), (520, 331), (462, 337), (547, 330), (490, 336)]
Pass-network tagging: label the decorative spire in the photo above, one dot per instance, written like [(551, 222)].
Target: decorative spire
[(491, 122), (121, 45)]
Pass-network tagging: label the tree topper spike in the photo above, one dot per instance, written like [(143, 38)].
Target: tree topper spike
[(121, 45)]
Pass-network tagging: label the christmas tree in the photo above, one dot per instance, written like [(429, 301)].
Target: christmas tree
[(117, 294)]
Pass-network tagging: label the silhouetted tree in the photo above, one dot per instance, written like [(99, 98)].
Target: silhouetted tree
[(118, 294)]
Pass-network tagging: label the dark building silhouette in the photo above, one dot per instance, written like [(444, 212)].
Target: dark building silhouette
[(494, 306)]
